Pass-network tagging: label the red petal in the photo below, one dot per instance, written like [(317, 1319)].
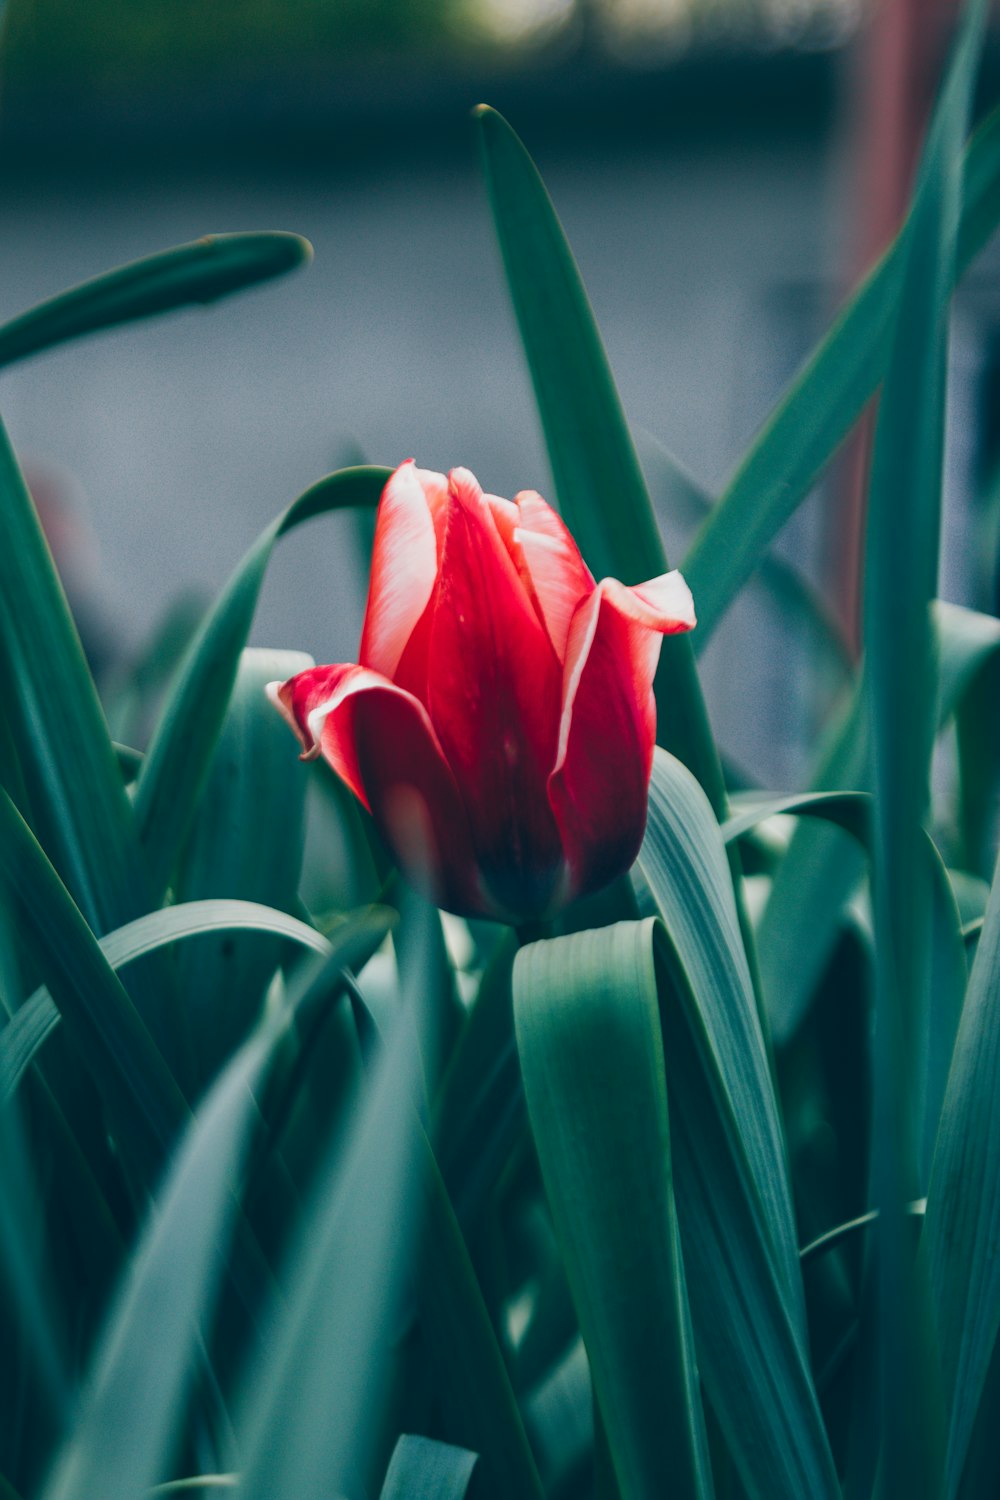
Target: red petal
[(494, 699), (550, 562), (600, 783), (404, 564), (381, 743)]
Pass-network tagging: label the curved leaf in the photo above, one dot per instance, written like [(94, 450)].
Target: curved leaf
[(30, 1026), (142, 1097), (177, 761), (206, 269)]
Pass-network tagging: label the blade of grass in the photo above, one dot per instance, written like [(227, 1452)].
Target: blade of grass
[(824, 401), (177, 762), (206, 269), (591, 1049)]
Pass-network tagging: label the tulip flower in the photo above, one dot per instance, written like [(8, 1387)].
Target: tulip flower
[(499, 724)]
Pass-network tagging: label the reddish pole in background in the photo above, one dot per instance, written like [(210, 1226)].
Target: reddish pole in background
[(889, 97)]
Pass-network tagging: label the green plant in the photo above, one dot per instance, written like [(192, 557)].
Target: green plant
[(273, 1214)]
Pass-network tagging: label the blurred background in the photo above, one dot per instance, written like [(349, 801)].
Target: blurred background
[(705, 158)]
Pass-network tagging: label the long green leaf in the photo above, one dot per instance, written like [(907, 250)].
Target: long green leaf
[(136, 1084), (31, 1025), (75, 801), (598, 479), (901, 567), (823, 403), (246, 843), (777, 587), (474, 1386), (309, 1414), (731, 1181), (209, 268), (421, 1469), (963, 1201), (935, 1024), (177, 762), (588, 1033), (820, 869), (684, 863), (131, 1409)]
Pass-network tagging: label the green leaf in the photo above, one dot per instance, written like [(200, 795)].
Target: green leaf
[(588, 1033), (935, 1023), (963, 1201), (177, 762), (30, 1026), (309, 1414), (730, 1175), (122, 1435), (977, 722), (820, 869), (598, 479), (901, 568), (74, 798), (777, 588), (246, 843), (475, 1388), (143, 1100), (202, 271), (422, 1469), (823, 403), (683, 860)]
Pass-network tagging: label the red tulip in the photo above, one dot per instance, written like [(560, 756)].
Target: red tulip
[(499, 726)]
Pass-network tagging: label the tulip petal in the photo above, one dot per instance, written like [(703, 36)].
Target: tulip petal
[(404, 564), (600, 783), (381, 743), (494, 699), (549, 560)]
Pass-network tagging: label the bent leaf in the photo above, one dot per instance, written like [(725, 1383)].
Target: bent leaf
[(177, 761), (203, 271)]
